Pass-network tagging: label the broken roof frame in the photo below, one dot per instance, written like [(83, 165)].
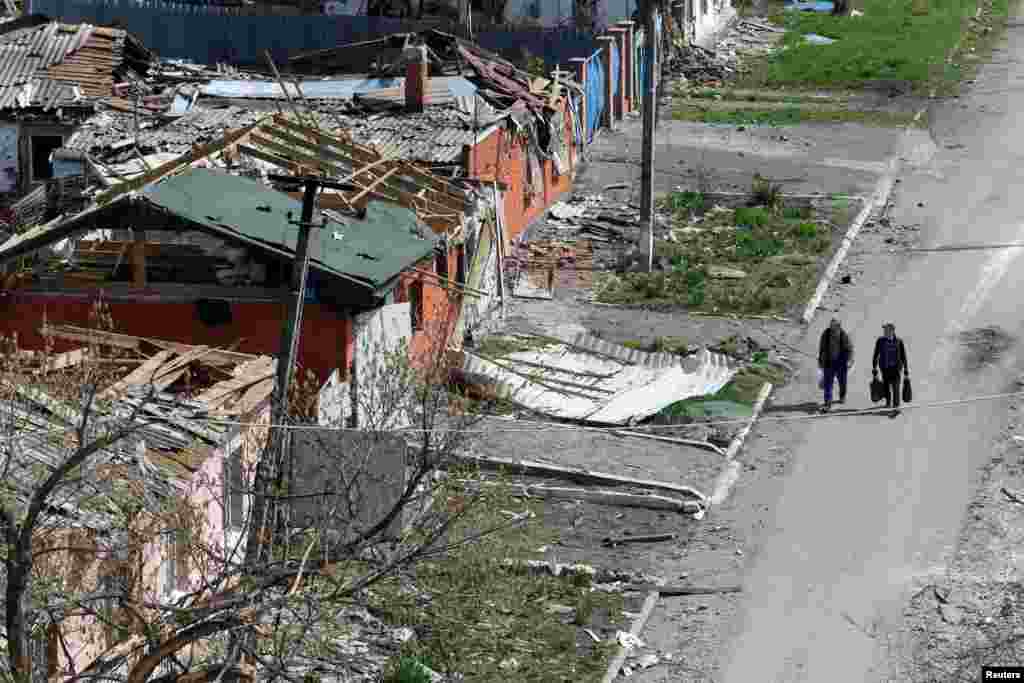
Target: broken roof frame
[(280, 141)]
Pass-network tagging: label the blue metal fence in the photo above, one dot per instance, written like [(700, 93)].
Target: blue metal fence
[(207, 34), (595, 95)]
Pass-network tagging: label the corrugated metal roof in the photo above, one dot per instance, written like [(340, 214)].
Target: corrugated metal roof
[(32, 57), (604, 383), (435, 135), (374, 250), (200, 125)]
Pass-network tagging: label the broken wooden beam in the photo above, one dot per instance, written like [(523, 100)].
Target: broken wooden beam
[(578, 475), (676, 591), (613, 541), (648, 501)]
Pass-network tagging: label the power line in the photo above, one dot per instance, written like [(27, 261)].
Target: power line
[(538, 425)]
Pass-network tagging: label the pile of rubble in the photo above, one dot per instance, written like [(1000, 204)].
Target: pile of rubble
[(709, 67)]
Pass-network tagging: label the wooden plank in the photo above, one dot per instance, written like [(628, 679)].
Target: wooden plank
[(255, 395), (442, 204), (66, 359), (212, 357), (282, 149), (280, 162), (141, 375)]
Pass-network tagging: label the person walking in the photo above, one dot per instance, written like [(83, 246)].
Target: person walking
[(835, 357), (891, 356)]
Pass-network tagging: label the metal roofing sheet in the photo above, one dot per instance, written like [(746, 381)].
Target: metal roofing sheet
[(343, 89), (375, 249), (606, 383)]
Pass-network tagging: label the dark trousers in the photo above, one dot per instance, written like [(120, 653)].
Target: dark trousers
[(891, 380), (835, 372)]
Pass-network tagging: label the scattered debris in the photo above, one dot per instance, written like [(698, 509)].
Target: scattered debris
[(1012, 496), (815, 39), (822, 6), (647, 661), (984, 346), (628, 640)]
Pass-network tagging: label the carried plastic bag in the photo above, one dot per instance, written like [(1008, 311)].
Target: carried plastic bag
[(908, 393), (877, 389), (821, 378)]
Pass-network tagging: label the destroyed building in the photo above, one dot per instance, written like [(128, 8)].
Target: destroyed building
[(51, 77)]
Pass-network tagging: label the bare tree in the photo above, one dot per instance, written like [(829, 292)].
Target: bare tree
[(83, 505)]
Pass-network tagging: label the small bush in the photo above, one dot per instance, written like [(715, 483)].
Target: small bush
[(806, 231), (797, 212), (408, 670), (754, 247), (683, 202), (750, 217)]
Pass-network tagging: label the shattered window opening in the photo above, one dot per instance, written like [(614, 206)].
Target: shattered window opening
[(42, 147)]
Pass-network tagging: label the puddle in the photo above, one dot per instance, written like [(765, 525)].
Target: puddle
[(811, 6), (984, 346)]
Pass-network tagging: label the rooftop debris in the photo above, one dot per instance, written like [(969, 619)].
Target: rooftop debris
[(54, 65), (635, 385)]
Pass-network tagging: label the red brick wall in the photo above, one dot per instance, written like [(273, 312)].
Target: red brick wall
[(440, 309), (326, 341), (502, 158)]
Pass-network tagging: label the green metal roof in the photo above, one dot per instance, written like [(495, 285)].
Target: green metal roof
[(374, 249)]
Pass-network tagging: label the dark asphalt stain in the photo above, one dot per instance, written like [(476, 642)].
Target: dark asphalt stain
[(984, 346)]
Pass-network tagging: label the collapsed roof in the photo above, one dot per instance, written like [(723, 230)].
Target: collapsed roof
[(53, 65)]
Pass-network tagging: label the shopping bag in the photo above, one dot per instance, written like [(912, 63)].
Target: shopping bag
[(821, 378), (908, 393), (877, 389)]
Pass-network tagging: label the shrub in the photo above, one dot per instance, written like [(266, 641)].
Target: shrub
[(750, 217)]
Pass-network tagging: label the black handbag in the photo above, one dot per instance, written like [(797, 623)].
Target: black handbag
[(877, 389), (908, 393)]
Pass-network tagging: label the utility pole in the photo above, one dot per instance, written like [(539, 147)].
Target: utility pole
[(649, 113), (270, 468)]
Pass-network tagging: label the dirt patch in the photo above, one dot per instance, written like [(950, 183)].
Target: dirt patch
[(973, 615), (984, 346)]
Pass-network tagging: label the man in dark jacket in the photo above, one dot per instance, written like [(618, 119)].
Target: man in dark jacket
[(835, 356), (891, 356)]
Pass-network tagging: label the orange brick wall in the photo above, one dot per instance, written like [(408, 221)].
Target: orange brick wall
[(325, 344), (500, 157), (440, 310)]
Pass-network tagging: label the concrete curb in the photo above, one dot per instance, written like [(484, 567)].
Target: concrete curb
[(878, 198), (635, 630), (730, 473)]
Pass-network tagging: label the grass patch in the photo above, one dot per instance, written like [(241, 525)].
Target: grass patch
[(890, 42), (736, 398), (748, 260), (793, 115), (474, 613)]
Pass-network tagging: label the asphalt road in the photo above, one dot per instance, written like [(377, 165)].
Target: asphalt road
[(873, 505)]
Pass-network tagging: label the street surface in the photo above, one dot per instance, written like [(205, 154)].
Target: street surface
[(874, 504)]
